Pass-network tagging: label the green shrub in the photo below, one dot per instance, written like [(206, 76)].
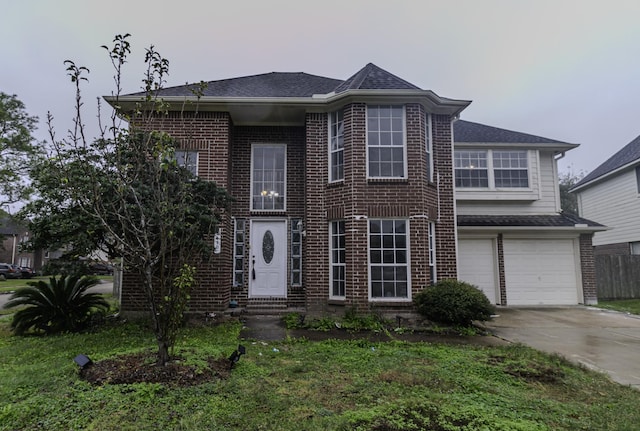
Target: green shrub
[(60, 305), (453, 302)]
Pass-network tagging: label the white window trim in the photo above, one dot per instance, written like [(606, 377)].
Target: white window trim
[(404, 143), (491, 173), (253, 146), (330, 151), (331, 263), (429, 146), (236, 256), (433, 264), (390, 299)]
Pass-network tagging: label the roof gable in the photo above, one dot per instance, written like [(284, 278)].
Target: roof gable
[(371, 77), (630, 153), (469, 132)]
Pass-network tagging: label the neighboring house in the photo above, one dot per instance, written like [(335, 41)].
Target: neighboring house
[(345, 197), (513, 240), (611, 195), (12, 236)]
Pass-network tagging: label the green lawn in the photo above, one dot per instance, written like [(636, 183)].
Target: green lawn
[(304, 385), (625, 305)]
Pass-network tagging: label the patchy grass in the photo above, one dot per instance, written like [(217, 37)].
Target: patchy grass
[(625, 305), (298, 384)]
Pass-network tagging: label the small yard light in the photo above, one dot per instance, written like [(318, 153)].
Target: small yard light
[(235, 356), (83, 361)]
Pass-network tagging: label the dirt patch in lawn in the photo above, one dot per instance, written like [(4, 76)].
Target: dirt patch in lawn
[(141, 368)]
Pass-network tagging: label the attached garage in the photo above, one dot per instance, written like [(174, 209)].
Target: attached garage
[(542, 271), (478, 265)]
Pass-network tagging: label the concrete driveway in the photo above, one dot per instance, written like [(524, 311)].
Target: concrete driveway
[(602, 340)]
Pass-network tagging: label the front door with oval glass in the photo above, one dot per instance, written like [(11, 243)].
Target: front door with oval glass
[(268, 259)]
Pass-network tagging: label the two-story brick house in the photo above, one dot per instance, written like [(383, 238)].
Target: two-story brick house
[(344, 189)]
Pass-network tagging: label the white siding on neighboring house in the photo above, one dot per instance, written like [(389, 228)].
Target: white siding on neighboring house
[(614, 203), (544, 184)]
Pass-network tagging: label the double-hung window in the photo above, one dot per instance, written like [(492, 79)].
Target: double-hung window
[(268, 177), (386, 152), (510, 169), (388, 259), (188, 159), (471, 169), (337, 259), (492, 169), (336, 146)]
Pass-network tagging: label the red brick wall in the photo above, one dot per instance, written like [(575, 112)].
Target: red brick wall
[(209, 133), (587, 265)]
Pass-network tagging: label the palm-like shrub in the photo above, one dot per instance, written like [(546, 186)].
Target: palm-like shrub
[(60, 305)]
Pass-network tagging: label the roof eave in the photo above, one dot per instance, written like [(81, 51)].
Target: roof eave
[(431, 101), (575, 228), (604, 177), (557, 146)]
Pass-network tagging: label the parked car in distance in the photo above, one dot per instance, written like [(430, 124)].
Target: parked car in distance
[(27, 272), (9, 271), (100, 269)]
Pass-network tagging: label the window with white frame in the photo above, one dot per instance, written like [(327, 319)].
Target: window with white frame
[(336, 146), (268, 177), (471, 169), (510, 169), (188, 159), (296, 252), (386, 141), (491, 169), (388, 259), (428, 147), (238, 252), (338, 266), (432, 253)]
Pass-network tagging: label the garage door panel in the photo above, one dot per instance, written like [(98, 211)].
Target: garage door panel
[(540, 272), (477, 265)]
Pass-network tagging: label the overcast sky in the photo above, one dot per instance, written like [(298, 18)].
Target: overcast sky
[(563, 69)]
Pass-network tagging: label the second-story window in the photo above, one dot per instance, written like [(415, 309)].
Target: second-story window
[(510, 169), (188, 159), (428, 147), (386, 141), (471, 169), (336, 146), (268, 177), (492, 169)]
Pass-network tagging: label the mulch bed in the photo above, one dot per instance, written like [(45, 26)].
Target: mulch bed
[(141, 368)]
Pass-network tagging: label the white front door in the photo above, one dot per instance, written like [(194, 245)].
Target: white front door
[(268, 259)]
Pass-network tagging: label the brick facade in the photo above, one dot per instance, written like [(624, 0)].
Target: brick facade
[(587, 266), (224, 156)]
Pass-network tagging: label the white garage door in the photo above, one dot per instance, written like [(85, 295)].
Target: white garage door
[(477, 265), (540, 272)]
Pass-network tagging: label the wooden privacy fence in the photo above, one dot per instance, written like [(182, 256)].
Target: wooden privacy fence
[(618, 277)]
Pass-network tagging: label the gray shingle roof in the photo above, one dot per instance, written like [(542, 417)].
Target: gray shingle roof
[(371, 77), (466, 131), (628, 154), (274, 84), (555, 220), (292, 84)]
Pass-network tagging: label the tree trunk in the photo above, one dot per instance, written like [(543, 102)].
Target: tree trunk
[(163, 353)]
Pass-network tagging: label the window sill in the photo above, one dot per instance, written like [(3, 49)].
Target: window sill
[(388, 180), (406, 302), (334, 184), (336, 301)]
